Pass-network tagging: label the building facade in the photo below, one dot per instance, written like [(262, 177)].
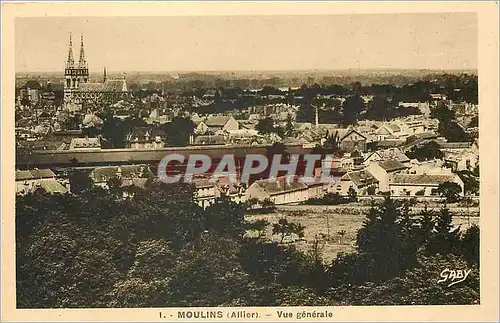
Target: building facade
[(77, 86)]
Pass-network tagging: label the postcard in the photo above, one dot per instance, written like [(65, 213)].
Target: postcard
[(250, 161)]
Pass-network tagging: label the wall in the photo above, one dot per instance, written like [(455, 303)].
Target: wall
[(290, 197), (381, 175), (410, 190)]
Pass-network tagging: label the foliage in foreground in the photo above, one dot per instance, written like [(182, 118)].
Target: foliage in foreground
[(158, 248)]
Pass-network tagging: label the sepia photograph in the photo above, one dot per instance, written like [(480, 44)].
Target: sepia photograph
[(242, 160)]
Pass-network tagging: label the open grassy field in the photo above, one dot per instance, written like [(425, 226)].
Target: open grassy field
[(329, 221)]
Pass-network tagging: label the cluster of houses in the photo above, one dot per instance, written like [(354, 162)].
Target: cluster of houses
[(382, 172), (373, 161)]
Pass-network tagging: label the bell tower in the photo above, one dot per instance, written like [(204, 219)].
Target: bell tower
[(74, 74)]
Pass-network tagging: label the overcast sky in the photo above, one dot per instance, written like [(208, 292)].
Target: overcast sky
[(409, 41)]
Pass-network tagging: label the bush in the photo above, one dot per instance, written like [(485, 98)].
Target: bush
[(328, 199)]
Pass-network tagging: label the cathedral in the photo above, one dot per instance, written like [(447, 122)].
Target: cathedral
[(79, 90)]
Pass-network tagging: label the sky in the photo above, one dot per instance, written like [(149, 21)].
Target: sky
[(251, 43)]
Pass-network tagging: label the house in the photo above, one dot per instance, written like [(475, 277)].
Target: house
[(466, 159), (201, 127), (283, 190), (360, 181), (420, 185), (85, 144), (436, 97), (424, 107), (382, 171), (128, 174), (431, 167), (221, 123), (205, 192), (145, 138), (244, 136), (387, 154), (27, 181), (235, 192), (383, 133), (91, 120), (209, 140), (353, 141)]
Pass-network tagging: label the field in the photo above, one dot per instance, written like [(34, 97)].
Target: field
[(325, 222)]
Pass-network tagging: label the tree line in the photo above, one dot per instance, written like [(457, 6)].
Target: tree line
[(156, 247)]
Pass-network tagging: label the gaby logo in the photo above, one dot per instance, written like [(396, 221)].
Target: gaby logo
[(187, 167), (454, 276)]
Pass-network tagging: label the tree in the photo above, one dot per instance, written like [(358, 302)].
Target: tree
[(341, 234), (352, 194), (226, 218), (474, 122), (267, 126), (259, 225), (380, 109), (448, 126), (179, 131), (452, 131), (428, 151), (114, 183), (289, 128), (451, 191), (417, 286), (305, 113), (284, 228), (80, 181), (380, 241), (370, 190), (351, 109), (471, 182), (445, 239), (443, 113), (470, 245), (268, 205)]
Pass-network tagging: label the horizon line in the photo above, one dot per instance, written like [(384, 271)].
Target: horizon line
[(381, 69)]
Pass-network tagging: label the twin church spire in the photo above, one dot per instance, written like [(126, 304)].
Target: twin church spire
[(70, 63)]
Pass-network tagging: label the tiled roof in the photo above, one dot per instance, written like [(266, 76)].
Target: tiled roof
[(349, 131), (391, 165), (217, 121), (22, 175), (392, 154), (53, 186), (103, 174), (92, 118), (91, 87), (395, 128), (425, 179), (34, 174), (390, 143), (361, 177), (280, 185), (108, 86), (114, 86), (202, 183)]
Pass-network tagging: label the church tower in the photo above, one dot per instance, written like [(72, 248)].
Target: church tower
[(74, 74)]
